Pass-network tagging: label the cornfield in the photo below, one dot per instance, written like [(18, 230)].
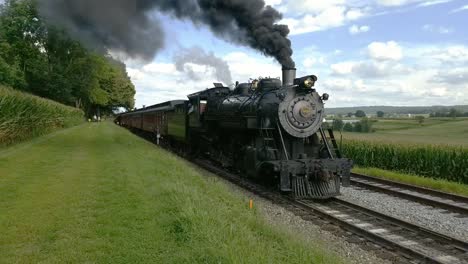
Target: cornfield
[(23, 116), (441, 162)]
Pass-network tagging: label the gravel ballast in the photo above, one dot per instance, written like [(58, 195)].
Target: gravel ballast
[(435, 219), (284, 219)]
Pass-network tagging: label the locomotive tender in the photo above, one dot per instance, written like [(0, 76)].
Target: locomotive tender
[(268, 130)]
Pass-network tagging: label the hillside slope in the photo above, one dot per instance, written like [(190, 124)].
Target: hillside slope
[(98, 194)]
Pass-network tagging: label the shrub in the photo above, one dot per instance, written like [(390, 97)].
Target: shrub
[(338, 124)]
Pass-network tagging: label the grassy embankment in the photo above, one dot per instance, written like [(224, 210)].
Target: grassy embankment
[(436, 184), (436, 149), (96, 193), (24, 116)]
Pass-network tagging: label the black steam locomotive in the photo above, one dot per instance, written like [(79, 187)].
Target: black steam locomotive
[(268, 130)]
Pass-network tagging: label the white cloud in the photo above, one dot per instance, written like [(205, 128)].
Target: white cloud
[(309, 62), (337, 84), (161, 68), (421, 3), (451, 54), (273, 2), (343, 68), (390, 50), (437, 29), (437, 91), (314, 6), (453, 76), (355, 29), (244, 66), (435, 2), (429, 75), (460, 9), (317, 15), (369, 69)]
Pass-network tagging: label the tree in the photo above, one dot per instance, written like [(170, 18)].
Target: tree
[(45, 61), (348, 127), (454, 113), (338, 124), (360, 113), (380, 114), (349, 114), (366, 125), (420, 119)]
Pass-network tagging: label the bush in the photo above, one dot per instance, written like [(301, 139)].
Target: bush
[(348, 127), (441, 162), (23, 116), (338, 124)]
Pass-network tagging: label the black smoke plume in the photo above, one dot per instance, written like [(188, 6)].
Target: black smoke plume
[(127, 25), (197, 55)]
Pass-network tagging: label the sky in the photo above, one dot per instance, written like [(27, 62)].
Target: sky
[(364, 52), (380, 52)]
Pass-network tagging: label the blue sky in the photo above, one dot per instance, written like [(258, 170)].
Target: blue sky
[(381, 52), (364, 52)]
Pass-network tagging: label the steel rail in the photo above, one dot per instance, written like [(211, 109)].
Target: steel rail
[(447, 201), (397, 236)]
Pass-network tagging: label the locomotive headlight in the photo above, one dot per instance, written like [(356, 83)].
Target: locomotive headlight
[(308, 83)]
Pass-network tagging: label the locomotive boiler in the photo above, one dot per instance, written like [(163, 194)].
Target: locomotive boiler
[(270, 130)]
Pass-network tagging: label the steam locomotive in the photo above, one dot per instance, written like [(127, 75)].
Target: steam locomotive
[(268, 130)]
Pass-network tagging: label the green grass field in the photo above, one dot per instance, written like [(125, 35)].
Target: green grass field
[(439, 131), (98, 194)]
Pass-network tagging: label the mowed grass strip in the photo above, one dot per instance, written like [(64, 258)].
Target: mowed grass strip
[(99, 194), (436, 184)]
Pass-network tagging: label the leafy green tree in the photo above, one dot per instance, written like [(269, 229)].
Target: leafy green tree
[(338, 124), (366, 125), (380, 114), (420, 119), (44, 60), (360, 113), (454, 113), (348, 127)]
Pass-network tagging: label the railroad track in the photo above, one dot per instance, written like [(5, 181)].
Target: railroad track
[(453, 203), (407, 242), (411, 241)]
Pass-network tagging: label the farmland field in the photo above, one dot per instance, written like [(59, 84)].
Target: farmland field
[(437, 148), (439, 131), (96, 193), (24, 116)]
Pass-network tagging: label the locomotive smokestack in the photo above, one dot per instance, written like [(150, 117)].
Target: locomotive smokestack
[(289, 74)]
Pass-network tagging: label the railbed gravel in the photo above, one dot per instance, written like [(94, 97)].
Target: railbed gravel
[(438, 220), (284, 219)]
